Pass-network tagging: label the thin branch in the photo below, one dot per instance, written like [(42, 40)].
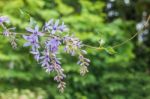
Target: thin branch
[(145, 24), (93, 47), (98, 48), (120, 44)]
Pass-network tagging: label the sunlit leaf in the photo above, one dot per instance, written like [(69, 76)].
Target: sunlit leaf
[(110, 50)]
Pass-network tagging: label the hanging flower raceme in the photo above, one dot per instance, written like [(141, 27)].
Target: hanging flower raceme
[(45, 50), (72, 44), (7, 31), (55, 37)]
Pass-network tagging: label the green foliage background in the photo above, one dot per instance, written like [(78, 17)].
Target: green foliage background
[(124, 75)]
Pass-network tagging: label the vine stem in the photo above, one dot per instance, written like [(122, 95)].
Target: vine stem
[(145, 24), (98, 48), (94, 47), (120, 44)]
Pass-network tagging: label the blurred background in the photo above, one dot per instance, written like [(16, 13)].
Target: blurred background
[(124, 75)]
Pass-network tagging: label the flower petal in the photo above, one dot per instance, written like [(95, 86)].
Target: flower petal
[(29, 29), (27, 44)]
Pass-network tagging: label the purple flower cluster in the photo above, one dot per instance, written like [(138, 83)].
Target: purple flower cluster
[(7, 31), (46, 60), (33, 41), (45, 50), (54, 27), (4, 19), (83, 62), (50, 62), (72, 44), (53, 44)]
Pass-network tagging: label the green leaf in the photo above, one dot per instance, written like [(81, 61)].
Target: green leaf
[(110, 50)]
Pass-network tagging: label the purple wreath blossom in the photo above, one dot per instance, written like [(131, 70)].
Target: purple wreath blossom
[(45, 59), (60, 75), (7, 32), (63, 27), (55, 27), (34, 31), (32, 40), (48, 58), (83, 62), (48, 25), (72, 44), (57, 67), (4, 19), (53, 44), (36, 54), (51, 26), (58, 78), (49, 62), (49, 68)]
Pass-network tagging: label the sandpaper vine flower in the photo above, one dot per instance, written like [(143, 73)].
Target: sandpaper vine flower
[(8, 31), (45, 51)]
